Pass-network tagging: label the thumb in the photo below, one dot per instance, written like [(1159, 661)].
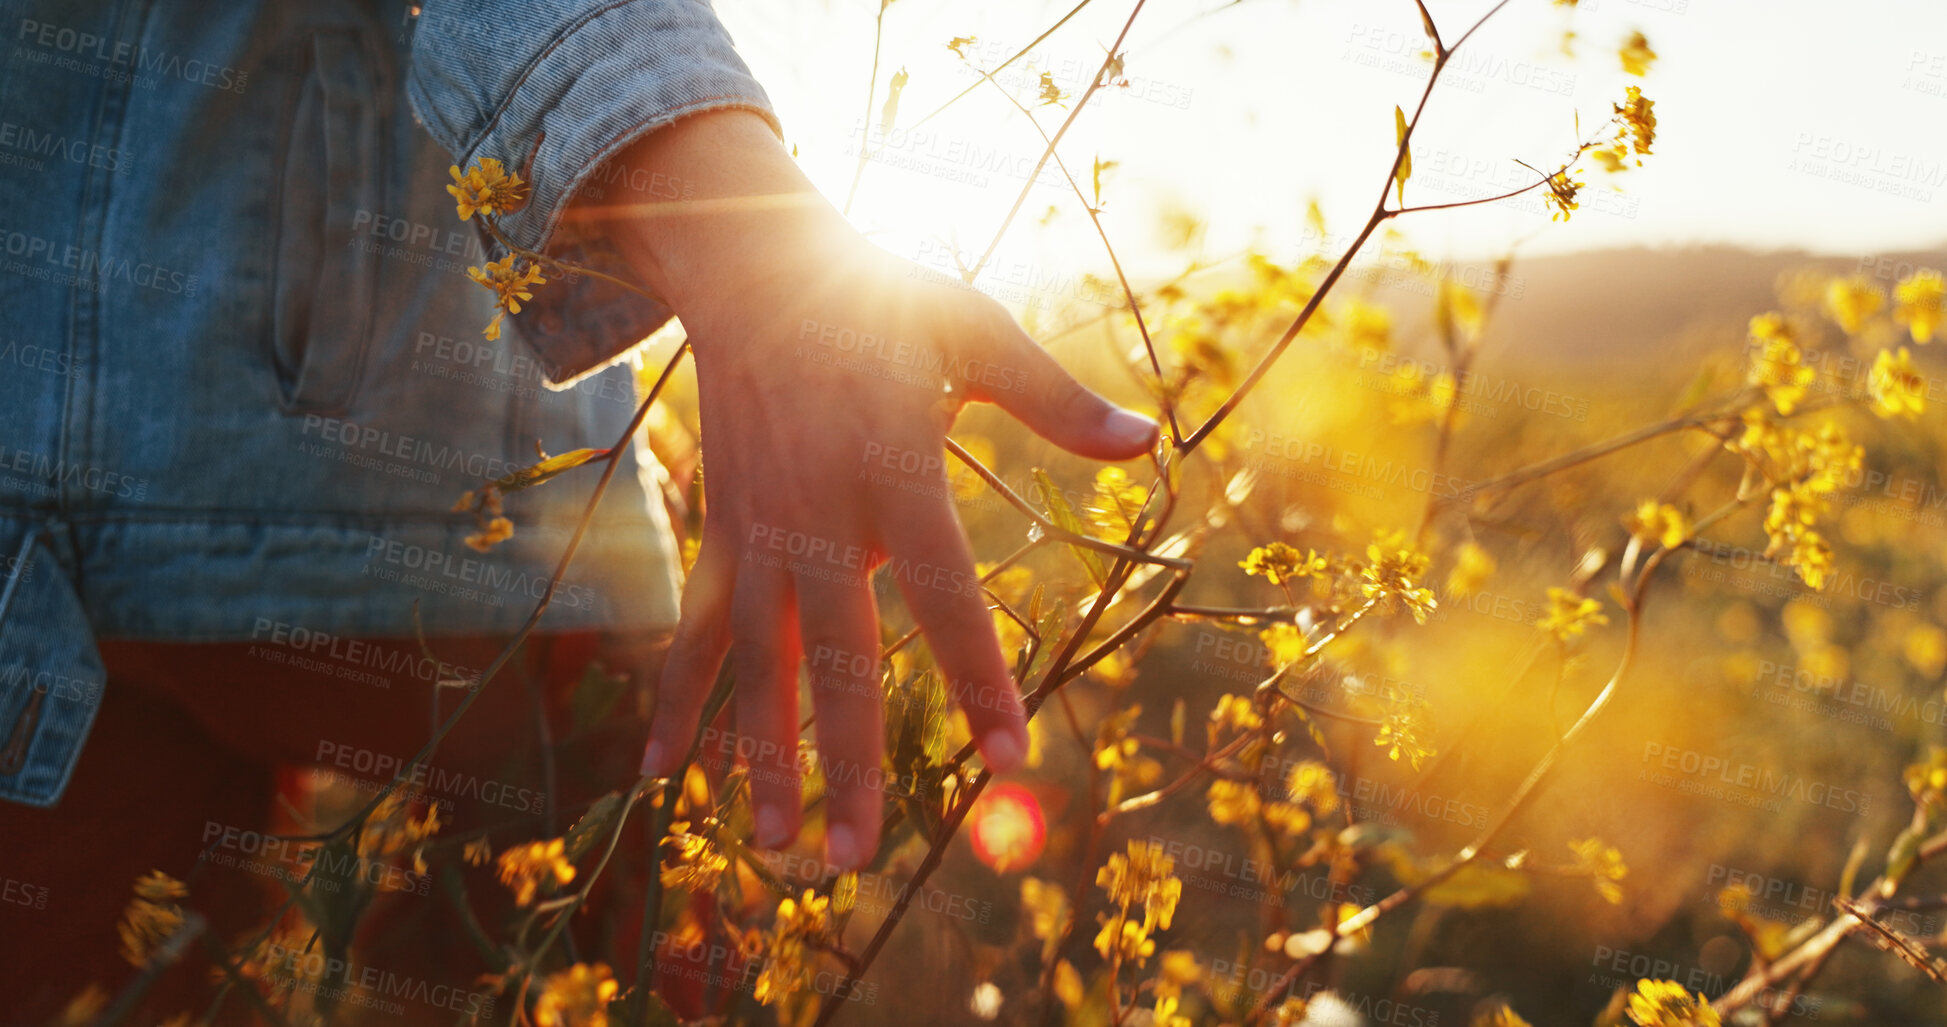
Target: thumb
[(1013, 372)]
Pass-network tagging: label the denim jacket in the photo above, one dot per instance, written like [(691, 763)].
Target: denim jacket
[(242, 372)]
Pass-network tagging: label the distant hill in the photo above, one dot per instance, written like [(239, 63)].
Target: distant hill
[(1609, 312)]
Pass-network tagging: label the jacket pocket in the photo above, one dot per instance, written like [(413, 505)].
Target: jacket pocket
[(330, 187)]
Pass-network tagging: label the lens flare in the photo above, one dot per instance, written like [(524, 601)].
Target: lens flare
[(1008, 828)]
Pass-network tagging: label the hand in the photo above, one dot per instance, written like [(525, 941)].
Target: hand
[(829, 373)]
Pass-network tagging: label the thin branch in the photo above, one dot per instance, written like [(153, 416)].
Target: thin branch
[(1028, 186), (1018, 54), (1128, 291), (871, 91), (1379, 215)]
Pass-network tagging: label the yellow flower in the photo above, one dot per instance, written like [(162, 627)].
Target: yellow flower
[(510, 287), (1777, 366), (1668, 1004), (1636, 55), (800, 922), (1232, 802), (1311, 781), (1236, 713), (478, 852), (1118, 500), (1637, 117), (1614, 158), (1917, 303), (1280, 563), (1144, 876), (1050, 93), (486, 188), (1898, 390), (1602, 863), (1391, 575), (1165, 1014), (699, 866), (1561, 194), (1121, 937), (1851, 301), (1284, 644), (152, 917), (524, 868), (1794, 509), (1655, 522), (160, 887), (498, 530), (1403, 731), (1290, 819), (1569, 615), (576, 997)]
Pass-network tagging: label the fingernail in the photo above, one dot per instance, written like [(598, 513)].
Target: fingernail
[(652, 759), (772, 833), (1130, 428), (1003, 750), (842, 847)]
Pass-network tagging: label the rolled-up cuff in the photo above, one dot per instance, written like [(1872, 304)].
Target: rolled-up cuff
[(606, 80)]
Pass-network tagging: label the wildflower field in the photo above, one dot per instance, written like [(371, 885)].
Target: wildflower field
[(1418, 677)]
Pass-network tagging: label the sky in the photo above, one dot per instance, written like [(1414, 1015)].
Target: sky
[(1781, 124)]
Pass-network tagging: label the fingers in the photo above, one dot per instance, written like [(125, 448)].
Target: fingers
[(840, 627), (690, 670), (1015, 373), (933, 566), (764, 658)]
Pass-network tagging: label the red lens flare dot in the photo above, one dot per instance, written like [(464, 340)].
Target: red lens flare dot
[(1009, 830)]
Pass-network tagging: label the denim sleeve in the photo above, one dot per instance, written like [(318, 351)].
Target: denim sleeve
[(553, 88)]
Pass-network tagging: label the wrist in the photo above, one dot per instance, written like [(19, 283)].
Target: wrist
[(727, 209)]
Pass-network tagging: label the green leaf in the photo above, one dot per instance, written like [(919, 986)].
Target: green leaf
[(891, 110), (1063, 516), (1101, 166), (1049, 628), (1901, 858), (592, 827), (528, 477), (1405, 155)]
